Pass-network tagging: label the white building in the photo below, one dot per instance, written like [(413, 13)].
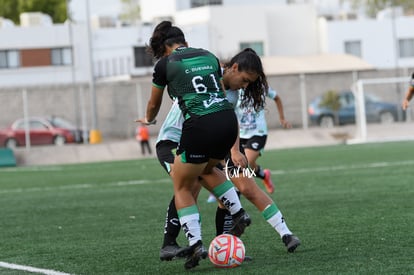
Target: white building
[(45, 54), (385, 43), (59, 54), (282, 28)]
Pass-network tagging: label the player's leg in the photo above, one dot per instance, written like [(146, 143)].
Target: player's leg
[(185, 176), (142, 147), (270, 212), (205, 138), (252, 149), (148, 147), (228, 197), (165, 150)]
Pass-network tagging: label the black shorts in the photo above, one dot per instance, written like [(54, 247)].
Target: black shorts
[(208, 137), (255, 143), (166, 153)]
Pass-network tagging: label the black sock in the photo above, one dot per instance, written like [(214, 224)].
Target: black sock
[(259, 172), (224, 221), (172, 225)]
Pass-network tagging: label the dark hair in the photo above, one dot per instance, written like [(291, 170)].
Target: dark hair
[(254, 94), (165, 34)]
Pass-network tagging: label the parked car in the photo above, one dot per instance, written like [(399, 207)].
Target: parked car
[(376, 110), (42, 130)]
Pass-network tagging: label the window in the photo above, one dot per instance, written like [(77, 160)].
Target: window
[(256, 46), (9, 59), (406, 47), (3, 59), (35, 57), (353, 47), (37, 125), (142, 58), (61, 56), (201, 3)]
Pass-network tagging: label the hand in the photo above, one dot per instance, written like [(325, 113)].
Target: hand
[(285, 124), (239, 159), (405, 104), (145, 121)]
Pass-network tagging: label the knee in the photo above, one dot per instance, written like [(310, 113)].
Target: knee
[(246, 191)]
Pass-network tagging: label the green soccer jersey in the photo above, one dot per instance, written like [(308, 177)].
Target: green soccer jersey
[(193, 77)]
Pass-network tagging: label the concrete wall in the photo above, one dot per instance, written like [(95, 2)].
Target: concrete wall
[(120, 103)]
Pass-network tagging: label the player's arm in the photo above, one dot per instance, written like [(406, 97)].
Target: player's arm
[(280, 110), (237, 157), (154, 104), (407, 98), (159, 81)]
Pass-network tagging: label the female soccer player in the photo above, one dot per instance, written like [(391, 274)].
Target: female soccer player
[(243, 63), (409, 94), (253, 134), (210, 130)]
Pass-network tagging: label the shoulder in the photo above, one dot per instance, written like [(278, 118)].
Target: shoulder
[(159, 78), (161, 63), (204, 52), (271, 93), (232, 96)]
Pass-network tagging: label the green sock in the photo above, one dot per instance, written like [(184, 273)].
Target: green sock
[(190, 222), (274, 217), (226, 193)]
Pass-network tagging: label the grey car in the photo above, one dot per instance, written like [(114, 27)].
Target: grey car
[(376, 111)]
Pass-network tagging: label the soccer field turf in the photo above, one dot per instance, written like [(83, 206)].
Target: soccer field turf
[(351, 206)]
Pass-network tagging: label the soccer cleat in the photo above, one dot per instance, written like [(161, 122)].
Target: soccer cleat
[(240, 221), (291, 242), (197, 252), (267, 181), (169, 252), (248, 258)]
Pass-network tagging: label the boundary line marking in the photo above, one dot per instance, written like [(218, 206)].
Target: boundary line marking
[(84, 185), (32, 269), (345, 167), (166, 179)]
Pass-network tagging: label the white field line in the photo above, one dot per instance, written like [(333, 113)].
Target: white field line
[(30, 169), (168, 180), (344, 167), (31, 269), (82, 186)]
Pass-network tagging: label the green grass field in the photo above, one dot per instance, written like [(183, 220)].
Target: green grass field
[(352, 207)]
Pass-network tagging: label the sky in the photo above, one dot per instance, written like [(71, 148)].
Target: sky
[(96, 7)]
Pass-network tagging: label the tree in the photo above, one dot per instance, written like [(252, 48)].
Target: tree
[(12, 9), (373, 6), (331, 100), (9, 10), (131, 11)]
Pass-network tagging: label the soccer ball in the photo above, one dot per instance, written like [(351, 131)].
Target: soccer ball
[(226, 251)]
